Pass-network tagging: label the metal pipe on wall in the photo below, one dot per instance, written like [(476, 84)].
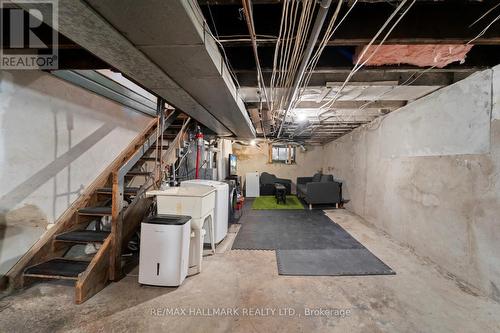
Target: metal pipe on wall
[(199, 147), (324, 6)]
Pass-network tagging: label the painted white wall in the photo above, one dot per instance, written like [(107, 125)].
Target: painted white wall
[(429, 175), (55, 139)]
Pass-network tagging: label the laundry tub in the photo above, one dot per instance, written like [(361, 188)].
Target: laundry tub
[(221, 212), (197, 202)]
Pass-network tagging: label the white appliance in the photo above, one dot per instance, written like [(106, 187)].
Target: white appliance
[(252, 184), (221, 212), (197, 202), (164, 254)]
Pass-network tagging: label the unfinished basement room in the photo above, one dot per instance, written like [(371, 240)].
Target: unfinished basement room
[(250, 166)]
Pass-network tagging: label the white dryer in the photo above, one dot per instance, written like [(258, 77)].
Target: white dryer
[(221, 216)]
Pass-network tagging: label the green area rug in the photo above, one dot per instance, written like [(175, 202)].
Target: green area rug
[(269, 202)]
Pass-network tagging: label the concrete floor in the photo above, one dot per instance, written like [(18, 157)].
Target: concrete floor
[(420, 298)]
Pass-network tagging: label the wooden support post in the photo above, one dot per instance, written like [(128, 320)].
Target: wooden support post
[(115, 269), (96, 276)]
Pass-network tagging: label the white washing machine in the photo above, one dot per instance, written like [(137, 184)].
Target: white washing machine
[(221, 216)]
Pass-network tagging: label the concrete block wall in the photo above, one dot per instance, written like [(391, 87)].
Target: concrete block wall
[(55, 139), (428, 175)]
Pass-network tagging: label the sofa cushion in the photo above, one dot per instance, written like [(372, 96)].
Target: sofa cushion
[(302, 188), (267, 178), (316, 177), (326, 178)]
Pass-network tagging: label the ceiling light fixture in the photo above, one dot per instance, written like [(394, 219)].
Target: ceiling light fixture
[(301, 117)]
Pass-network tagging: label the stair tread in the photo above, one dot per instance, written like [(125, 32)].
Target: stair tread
[(58, 268), (148, 158), (109, 190), (83, 236), (162, 147), (95, 210)]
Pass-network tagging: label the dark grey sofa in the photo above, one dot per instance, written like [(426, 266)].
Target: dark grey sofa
[(267, 181), (319, 189)]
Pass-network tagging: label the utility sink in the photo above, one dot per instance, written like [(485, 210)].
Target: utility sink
[(197, 202), (194, 201)]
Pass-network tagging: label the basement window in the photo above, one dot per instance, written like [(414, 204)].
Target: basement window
[(283, 154)]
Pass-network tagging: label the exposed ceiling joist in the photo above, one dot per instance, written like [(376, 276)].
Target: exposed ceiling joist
[(347, 104), (275, 2), (429, 22), (373, 90), (321, 76)]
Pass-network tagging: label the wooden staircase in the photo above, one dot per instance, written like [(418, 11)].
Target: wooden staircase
[(125, 180)]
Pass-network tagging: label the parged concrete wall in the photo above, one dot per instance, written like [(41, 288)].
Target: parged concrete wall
[(55, 139), (251, 159), (428, 175)]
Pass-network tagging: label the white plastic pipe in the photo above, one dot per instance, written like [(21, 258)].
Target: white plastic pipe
[(324, 5)]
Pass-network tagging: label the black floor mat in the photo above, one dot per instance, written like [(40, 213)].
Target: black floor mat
[(291, 230), (330, 262), (306, 243)]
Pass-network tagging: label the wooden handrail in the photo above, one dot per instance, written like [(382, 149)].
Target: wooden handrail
[(43, 248), (118, 190), (105, 265)]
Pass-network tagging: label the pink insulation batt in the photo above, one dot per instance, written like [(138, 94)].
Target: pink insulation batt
[(419, 55)]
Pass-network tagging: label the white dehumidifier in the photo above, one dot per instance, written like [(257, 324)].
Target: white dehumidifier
[(164, 251)]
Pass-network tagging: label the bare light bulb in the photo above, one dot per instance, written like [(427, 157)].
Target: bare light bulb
[(301, 117)]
